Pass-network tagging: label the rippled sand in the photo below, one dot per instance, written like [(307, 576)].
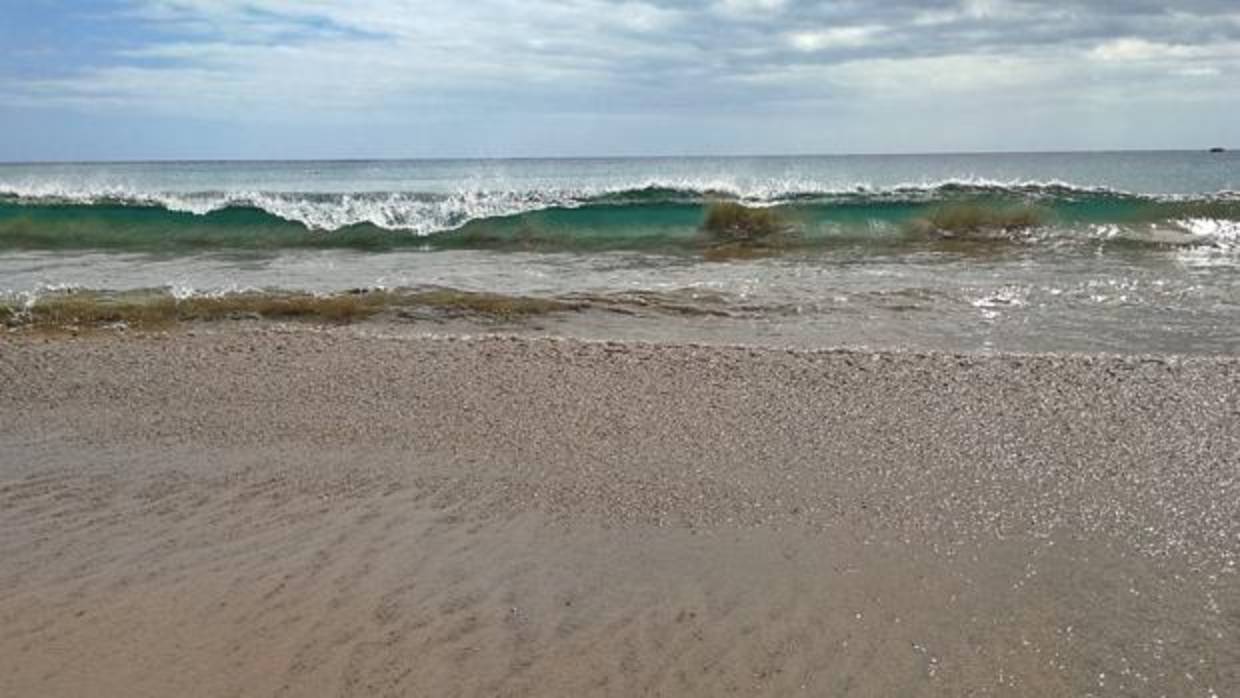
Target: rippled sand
[(305, 513)]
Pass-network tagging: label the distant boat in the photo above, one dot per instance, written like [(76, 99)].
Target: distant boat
[(1218, 150)]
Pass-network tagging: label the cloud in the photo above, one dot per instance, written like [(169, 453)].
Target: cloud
[(748, 8), (835, 37), (393, 60), (1134, 49), (406, 51)]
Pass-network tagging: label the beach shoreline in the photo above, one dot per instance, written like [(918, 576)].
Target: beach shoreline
[(266, 510)]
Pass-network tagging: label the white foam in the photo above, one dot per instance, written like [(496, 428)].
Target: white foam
[(423, 214), (1224, 234), (420, 214)]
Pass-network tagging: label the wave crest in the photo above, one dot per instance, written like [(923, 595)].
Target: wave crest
[(650, 214), (426, 213)]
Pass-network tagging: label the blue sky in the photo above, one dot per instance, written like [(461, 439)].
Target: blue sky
[(137, 79)]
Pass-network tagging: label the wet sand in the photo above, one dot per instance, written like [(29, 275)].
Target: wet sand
[(265, 512)]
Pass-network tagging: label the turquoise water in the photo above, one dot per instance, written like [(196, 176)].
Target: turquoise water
[(1115, 251), (650, 218)]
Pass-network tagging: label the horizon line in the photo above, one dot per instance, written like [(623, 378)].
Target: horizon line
[(696, 156)]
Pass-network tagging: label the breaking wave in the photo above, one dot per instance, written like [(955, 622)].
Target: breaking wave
[(651, 214)]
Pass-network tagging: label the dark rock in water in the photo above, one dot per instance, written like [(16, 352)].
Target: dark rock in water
[(1218, 150)]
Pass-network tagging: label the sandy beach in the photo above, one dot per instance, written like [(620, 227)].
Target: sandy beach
[(295, 512)]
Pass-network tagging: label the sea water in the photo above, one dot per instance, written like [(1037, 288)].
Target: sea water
[(1126, 252)]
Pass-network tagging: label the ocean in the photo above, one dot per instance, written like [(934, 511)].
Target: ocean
[(1127, 252)]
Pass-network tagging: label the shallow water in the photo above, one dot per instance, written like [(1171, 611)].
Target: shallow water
[(1129, 252)]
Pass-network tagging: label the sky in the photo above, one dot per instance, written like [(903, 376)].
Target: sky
[(186, 79)]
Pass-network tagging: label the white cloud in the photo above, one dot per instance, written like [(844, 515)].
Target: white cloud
[(1135, 49), (993, 9), (837, 37), (746, 8), (980, 10), (1207, 71), (235, 57), (307, 59), (926, 78), (1142, 61), (937, 75)]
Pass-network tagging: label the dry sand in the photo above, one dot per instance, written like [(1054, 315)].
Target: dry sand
[(321, 513)]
